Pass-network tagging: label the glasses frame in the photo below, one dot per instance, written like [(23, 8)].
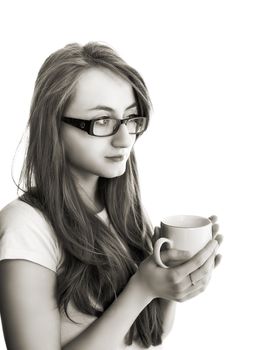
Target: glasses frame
[(87, 125)]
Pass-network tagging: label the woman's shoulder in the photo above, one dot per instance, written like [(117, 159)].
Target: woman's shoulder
[(17, 205), (20, 217), (25, 233), (18, 212)]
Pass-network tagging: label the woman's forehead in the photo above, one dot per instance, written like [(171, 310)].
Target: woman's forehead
[(102, 87)]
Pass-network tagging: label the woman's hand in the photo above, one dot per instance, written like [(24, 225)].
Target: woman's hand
[(186, 277), (219, 238)]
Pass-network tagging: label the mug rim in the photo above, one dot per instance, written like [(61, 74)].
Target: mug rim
[(204, 221)]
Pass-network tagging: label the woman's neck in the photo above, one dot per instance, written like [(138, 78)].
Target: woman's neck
[(87, 188)]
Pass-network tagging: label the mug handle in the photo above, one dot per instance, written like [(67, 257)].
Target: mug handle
[(157, 250)]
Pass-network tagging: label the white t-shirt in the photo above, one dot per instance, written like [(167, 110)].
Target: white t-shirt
[(25, 234)]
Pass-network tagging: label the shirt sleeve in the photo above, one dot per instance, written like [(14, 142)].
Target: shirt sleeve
[(25, 234)]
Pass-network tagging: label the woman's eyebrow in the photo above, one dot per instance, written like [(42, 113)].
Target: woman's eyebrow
[(106, 108)]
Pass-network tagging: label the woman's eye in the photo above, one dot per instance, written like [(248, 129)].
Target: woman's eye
[(132, 116), (102, 121)]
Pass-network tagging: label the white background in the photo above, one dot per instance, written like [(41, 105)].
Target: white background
[(196, 158)]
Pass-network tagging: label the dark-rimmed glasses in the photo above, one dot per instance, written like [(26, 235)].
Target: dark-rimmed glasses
[(106, 126)]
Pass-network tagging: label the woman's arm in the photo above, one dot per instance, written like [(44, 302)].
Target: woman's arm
[(150, 281), (108, 331), (169, 311), (31, 319)]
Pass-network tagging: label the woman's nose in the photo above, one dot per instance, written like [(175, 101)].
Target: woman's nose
[(122, 138)]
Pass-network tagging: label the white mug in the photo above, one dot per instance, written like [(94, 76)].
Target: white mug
[(183, 232)]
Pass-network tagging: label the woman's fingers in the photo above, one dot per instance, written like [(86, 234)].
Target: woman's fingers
[(192, 293), (187, 291), (215, 229), (204, 270), (156, 235), (217, 260), (197, 261), (213, 218), (219, 239)]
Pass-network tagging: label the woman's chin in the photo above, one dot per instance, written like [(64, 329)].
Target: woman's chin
[(116, 173)]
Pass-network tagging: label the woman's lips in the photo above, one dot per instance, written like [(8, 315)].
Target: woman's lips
[(116, 159)]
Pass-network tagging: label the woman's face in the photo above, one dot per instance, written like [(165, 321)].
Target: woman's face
[(96, 89)]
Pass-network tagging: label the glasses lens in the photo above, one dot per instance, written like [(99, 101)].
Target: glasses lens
[(103, 127), (108, 126), (137, 125)]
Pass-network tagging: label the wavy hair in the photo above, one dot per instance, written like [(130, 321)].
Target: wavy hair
[(95, 266)]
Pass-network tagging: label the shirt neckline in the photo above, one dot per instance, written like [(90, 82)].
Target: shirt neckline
[(101, 211)]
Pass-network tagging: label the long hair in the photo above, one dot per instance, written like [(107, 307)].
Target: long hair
[(95, 266)]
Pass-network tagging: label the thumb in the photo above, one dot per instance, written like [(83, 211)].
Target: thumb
[(174, 255)]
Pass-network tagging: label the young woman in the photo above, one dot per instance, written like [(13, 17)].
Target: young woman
[(77, 270)]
